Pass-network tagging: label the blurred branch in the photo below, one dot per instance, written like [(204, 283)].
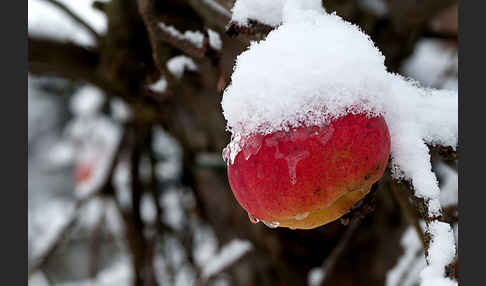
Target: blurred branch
[(42, 259), (105, 189), (421, 207), (331, 260), (141, 249), (441, 35), (446, 153), (75, 17), (408, 15), (49, 57), (162, 40), (68, 60), (213, 14), (96, 243), (409, 213), (157, 36), (353, 219)]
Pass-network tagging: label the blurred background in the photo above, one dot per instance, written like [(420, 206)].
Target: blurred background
[(126, 181)]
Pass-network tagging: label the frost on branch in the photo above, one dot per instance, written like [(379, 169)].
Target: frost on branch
[(45, 19), (408, 267), (268, 12), (195, 37), (177, 65), (442, 251), (316, 67), (256, 18)]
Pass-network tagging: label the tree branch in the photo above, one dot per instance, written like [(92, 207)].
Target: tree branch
[(213, 14), (42, 259), (68, 60), (407, 209), (157, 35)]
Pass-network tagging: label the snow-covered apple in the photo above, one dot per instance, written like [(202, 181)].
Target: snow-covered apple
[(308, 176), (307, 107)]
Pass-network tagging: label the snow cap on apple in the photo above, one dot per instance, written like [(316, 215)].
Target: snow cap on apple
[(314, 114)]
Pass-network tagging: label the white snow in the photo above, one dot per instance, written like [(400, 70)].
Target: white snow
[(173, 212), (88, 100), (269, 12), (61, 154), (120, 110), (316, 276), (165, 145), (185, 276), (148, 209), (166, 170), (94, 137), (159, 86), (48, 221), (215, 40), (114, 220), (45, 19), (195, 37), (327, 68), (441, 252), (38, 279), (430, 63), (205, 243), (229, 254), (97, 151), (217, 7), (91, 213), (122, 181), (416, 116), (177, 65), (166, 148), (309, 52), (449, 185), (413, 255)]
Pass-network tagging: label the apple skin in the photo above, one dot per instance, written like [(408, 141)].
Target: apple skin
[(82, 173), (309, 176)]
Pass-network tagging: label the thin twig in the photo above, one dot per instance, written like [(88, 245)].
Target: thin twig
[(214, 15), (96, 242), (42, 259), (407, 210), (421, 206), (75, 17), (330, 262), (141, 249), (353, 219), (158, 35)]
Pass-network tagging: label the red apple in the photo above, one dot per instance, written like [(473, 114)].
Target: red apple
[(309, 176), (83, 173)]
